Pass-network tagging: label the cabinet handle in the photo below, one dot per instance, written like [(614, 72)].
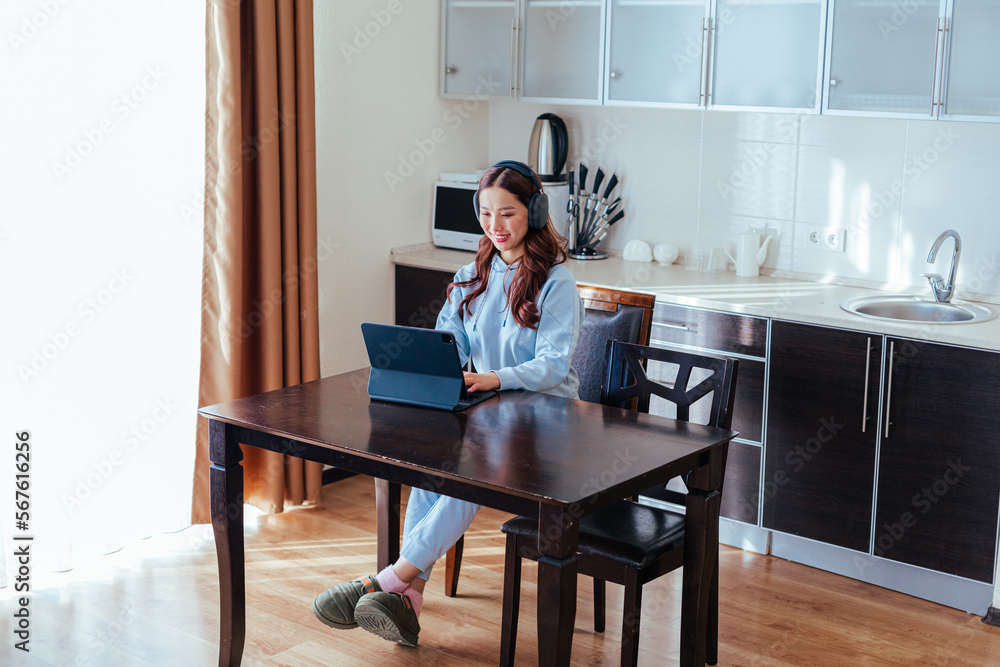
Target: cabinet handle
[(888, 386), (864, 408), (706, 43), (833, 82), (935, 88), (450, 70), (613, 74), (682, 327), (513, 57)]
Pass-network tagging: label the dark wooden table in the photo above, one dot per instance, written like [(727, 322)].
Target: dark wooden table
[(542, 456)]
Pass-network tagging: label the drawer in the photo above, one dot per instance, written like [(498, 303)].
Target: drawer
[(710, 330)]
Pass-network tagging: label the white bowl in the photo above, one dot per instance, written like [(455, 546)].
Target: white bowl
[(637, 251)]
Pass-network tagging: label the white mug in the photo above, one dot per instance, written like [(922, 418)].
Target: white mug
[(665, 253)]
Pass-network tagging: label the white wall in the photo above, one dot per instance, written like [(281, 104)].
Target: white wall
[(692, 177), (378, 113)]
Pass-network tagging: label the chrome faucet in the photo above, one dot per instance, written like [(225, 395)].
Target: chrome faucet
[(943, 292)]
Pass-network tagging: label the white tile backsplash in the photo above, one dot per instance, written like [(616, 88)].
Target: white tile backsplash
[(692, 177)]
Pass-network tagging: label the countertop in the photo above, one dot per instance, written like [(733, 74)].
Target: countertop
[(807, 301)]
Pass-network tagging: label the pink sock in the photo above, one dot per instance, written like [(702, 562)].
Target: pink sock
[(416, 599), (390, 582)]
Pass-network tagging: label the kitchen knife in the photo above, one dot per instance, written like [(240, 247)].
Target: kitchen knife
[(591, 216), (584, 194), (611, 186), (604, 228), (571, 211), (598, 179)]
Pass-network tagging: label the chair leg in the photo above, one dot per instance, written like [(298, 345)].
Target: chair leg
[(599, 604), (452, 565), (511, 601), (631, 613)]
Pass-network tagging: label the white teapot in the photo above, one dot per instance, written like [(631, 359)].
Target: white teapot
[(750, 253)]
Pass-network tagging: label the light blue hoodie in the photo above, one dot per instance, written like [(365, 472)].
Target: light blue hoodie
[(534, 359)]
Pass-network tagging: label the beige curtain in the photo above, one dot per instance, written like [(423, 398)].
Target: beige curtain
[(259, 298)]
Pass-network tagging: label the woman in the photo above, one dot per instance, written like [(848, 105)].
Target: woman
[(516, 312)]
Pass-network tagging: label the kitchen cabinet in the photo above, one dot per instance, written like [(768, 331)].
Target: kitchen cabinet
[(420, 295), (972, 86), (478, 47), (881, 57), (656, 52), (764, 54), (563, 54), (911, 59), (894, 58), (767, 54), (939, 472), (933, 430), (822, 431), (724, 334)]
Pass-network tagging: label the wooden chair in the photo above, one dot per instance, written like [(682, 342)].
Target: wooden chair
[(610, 314), (628, 543)]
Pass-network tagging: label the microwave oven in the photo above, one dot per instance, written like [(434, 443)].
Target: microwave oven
[(454, 221)]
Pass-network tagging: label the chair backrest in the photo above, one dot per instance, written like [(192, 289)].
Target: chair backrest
[(625, 382), (610, 315)]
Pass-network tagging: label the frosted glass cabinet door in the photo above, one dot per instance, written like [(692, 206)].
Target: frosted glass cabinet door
[(882, 56), (563, 44), (973, 87), (478, 38), (656, 52), (767, 53)]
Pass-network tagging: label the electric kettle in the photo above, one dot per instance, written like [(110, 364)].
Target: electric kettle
[(548, 148)]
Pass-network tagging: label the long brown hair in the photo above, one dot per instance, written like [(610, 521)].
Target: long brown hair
[(543, 249)]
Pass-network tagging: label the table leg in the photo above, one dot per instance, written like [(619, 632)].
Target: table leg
[(226, 500), (699, 599), (558, 536), (388, 498)]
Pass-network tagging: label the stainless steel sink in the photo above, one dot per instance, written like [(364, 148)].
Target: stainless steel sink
[(917, 309)]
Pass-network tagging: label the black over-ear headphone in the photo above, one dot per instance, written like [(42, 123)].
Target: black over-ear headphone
[(538, 207)]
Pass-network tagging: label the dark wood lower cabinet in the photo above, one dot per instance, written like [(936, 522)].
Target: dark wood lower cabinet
[(822, 422), (939, 461), (741, 490), (420, 295)]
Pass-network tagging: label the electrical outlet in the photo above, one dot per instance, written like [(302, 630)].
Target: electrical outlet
[(827, 238)]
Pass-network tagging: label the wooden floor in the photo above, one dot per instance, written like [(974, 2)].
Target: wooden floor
[(156, 604)]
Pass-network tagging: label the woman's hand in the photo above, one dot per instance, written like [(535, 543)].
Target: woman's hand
[(482, 381)]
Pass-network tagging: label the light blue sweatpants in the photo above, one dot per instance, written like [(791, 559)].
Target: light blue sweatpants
[(432, 525)]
